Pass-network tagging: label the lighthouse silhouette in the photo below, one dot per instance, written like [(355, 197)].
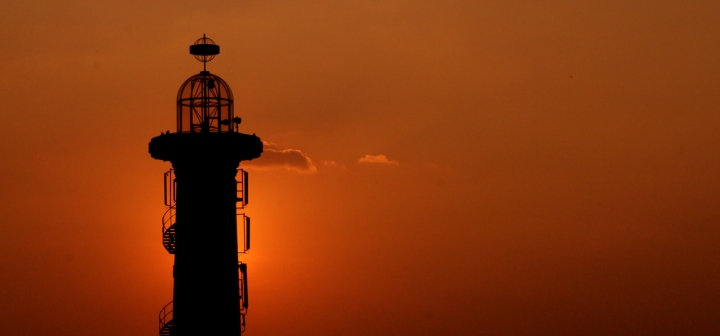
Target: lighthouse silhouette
[(205, 193)]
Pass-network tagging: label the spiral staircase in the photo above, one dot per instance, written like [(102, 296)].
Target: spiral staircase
[(166, 320), (168, 229)]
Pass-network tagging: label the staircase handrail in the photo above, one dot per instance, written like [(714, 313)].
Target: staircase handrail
[(166, 314), (168, 217)]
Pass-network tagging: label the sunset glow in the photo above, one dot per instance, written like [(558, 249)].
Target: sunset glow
[(430, 167)]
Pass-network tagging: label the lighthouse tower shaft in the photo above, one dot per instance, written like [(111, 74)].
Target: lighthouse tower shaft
[(206, 281), (206, 256)]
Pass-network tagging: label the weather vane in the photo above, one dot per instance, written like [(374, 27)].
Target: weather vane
[(204, 50)]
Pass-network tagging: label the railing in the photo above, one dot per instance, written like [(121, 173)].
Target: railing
[(168, 230), (166, 317), (244, 240), (242, 267), (243, 293), (244, 221), (168, 218), (169, 190), (242, 189)]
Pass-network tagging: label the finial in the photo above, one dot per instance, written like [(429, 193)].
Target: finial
[(204, 50)]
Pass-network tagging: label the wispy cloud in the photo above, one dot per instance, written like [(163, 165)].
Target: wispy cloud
[(273, 158), (332, 164), (378, 159)]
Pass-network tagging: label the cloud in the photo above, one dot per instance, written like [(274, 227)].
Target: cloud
[(273, 158), (331, 164), (379, 159), (269, 145)]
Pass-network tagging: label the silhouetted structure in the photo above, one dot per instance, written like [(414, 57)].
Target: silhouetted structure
[(203, 198)]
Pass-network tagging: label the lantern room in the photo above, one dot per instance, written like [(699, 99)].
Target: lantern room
[(205, 104)]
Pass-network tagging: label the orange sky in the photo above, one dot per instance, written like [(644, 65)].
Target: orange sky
[(547, 168)]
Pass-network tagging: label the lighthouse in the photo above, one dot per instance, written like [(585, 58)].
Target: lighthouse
[(205, 191)]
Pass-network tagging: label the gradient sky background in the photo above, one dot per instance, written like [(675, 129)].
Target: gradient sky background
[(548, 168)]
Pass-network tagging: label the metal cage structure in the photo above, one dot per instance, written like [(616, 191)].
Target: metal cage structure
[(205, 105)]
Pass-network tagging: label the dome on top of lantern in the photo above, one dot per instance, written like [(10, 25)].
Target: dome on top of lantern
[(205, 104)]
